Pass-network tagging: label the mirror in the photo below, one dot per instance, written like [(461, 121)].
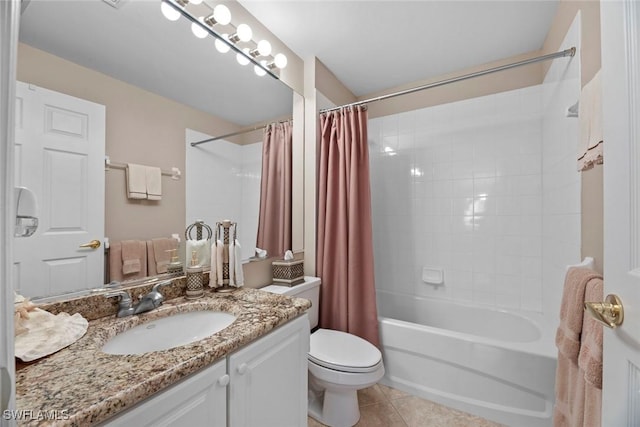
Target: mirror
[(157, 81)]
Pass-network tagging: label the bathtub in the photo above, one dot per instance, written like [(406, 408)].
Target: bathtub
[(496, 364)]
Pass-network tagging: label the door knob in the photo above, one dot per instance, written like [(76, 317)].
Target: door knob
[(610, 312), (94, 244), (223, 380), (242, 369)]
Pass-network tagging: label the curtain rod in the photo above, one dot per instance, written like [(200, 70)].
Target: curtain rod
[(566, 52), (251, 129)]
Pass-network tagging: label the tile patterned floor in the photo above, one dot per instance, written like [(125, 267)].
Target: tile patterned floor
[(382, 406)]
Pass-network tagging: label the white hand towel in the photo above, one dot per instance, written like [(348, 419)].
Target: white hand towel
[(202, 249), (136, 181), (219, 256), (232, 264), (590, 150), (213, 273), (153, 183), (238, 269)]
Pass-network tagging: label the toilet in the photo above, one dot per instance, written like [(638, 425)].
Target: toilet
[(339, 363)]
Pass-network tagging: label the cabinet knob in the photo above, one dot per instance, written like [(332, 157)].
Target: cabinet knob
[(223, 380), (242, 369)]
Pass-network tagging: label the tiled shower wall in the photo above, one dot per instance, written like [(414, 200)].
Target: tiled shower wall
[(459, 188)]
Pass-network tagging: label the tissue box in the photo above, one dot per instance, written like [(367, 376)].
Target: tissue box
[(288, 273)]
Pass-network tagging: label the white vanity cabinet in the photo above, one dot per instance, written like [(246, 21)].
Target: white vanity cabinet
[(262, 384), (198, 400)]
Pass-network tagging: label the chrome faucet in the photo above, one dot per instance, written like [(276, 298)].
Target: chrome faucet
[(147, 302)]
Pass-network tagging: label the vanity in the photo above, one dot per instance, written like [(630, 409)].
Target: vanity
[(253, 372)]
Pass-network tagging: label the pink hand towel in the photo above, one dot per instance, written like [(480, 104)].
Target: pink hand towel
[(571, 311), (590, 358), (131, 257)]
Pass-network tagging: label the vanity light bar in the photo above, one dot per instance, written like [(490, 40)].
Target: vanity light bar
[(246, 55)]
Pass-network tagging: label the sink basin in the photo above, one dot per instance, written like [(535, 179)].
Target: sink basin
[(168, 332)]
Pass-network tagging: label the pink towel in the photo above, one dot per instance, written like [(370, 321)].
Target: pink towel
[(131, 257), (590, 358), (161, 254), (571, 311), (578, 400)]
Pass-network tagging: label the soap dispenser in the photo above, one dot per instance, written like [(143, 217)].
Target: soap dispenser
[(195, 278), (175, 266)]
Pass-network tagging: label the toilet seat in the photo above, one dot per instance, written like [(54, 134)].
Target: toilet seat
[(343, 352)]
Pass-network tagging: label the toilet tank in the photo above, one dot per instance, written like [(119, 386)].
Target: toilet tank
[(309, 289)]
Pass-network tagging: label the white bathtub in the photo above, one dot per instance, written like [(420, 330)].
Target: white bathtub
[(492, 363)]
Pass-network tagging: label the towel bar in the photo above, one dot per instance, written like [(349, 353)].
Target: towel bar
[(174, 173)]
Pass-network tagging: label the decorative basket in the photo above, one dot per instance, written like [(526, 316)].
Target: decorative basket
[(288, 272)]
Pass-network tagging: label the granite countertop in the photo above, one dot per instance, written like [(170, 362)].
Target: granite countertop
[(82, 386)]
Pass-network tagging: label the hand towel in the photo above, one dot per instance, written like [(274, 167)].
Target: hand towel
[(232, 264), (161, 255), (590, 151), (213, 273), (153, 183), (238, 270), (203, 251), (131, 257), (571, 311), (219, 261), (590, 357), (136, 181)]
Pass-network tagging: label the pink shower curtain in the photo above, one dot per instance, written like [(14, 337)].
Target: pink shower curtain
[(274, 223), (345, 241)]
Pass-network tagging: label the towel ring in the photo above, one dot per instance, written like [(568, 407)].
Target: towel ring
[(198, 225)]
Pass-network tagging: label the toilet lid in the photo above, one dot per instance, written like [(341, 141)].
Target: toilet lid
[(343, 352)]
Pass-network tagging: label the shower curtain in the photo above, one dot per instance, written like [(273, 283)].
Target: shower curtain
[(345, 240), (274, 221)]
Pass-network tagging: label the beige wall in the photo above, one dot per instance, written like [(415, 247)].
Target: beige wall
[(590, 62), (141, 127)]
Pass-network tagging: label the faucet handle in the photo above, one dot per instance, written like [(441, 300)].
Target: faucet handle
[(125, 299), (157, 286)]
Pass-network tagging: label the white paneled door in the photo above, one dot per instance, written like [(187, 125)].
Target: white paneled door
[(60, 147), (620, 25)]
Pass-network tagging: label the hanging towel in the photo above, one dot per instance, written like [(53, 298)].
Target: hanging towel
[(131, 256), (153, 183), (590, 358), (203, 251), (136, 181), (590, 152), (232, 264), (213, 273), (159, 254), (577, 402), (238, 266), (219, 261)]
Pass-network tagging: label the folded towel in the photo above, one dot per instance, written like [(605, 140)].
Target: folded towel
[(232, 264), (219, 261), (203, 251), (571, 311), (238, 265), (590, 151), (131, 256), (161, 255), (136, 181), (213, 273), (153, 183), (590, 357)]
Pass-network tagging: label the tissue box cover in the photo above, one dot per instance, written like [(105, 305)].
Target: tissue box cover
[(288, 272)]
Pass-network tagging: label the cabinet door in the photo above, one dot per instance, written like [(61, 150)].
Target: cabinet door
[(199, 400), (269, 379)]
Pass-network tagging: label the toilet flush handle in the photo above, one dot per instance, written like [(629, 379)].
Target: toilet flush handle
[(242, 369)]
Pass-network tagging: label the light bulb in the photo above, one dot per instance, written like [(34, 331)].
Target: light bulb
[(221, 14), (169, 12), (221, 46), (244, 32), (243, 60), (264, 48), (197, 29), (259, 70), (280, 60)]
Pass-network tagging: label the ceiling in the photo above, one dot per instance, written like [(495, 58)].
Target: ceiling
[(375, 45), (369, 45)]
